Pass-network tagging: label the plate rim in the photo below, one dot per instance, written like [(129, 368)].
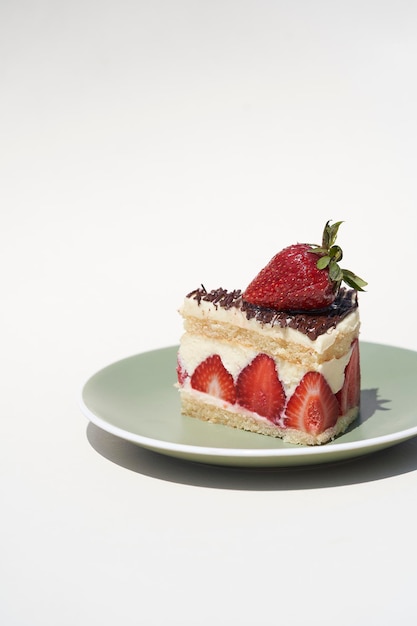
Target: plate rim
[(197, 451)]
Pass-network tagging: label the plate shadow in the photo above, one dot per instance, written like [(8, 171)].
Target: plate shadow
[(370, 403), (399, 459)]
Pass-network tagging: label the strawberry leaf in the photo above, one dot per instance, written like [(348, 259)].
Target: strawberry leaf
[(331, 254), (353, 281), (323, 262), (330, 234), (318, 250), (335, 273), (336, 253), (325, 242)]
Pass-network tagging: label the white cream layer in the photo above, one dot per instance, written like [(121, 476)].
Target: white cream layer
[(194, 349)]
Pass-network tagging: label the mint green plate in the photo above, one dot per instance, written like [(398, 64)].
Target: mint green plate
[(135, 399)]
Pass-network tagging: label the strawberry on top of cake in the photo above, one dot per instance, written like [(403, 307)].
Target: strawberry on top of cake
[(280, 358)]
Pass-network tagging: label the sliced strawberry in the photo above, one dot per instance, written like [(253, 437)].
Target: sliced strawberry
[(181, 372), (349, 395), (259, 389), (211, 377), (313, 407)]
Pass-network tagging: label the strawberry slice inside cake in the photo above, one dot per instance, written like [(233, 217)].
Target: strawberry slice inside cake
[(282, 357), (259, 389)]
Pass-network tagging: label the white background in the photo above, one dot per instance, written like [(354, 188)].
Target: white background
[(148, 147)]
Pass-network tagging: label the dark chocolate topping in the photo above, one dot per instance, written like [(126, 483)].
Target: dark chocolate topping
[(311, 323)]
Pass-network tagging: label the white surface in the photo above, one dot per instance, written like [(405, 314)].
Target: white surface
[(148, 147)]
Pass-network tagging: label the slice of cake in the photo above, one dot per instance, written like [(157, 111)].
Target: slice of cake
[(281, 358)]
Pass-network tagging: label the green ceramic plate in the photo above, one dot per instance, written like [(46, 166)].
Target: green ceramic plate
[(135, 399)]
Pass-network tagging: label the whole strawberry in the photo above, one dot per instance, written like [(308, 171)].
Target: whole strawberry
[(303, 277)]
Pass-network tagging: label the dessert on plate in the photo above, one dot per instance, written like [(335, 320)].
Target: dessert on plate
[(280, 358)]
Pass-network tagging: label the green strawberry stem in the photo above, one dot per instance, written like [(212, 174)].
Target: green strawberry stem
[(331, 254)]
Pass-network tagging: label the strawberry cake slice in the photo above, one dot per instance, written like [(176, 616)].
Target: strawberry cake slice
[(282, 357)]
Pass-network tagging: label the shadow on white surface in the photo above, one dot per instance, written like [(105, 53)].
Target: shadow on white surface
[(399, 459)]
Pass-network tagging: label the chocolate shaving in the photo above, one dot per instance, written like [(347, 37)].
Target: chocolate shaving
[(311, 323)]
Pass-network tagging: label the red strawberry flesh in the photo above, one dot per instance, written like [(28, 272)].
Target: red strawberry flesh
[(259, 389), (313, 407), (349, 395), (211, 377), (181, 372)]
